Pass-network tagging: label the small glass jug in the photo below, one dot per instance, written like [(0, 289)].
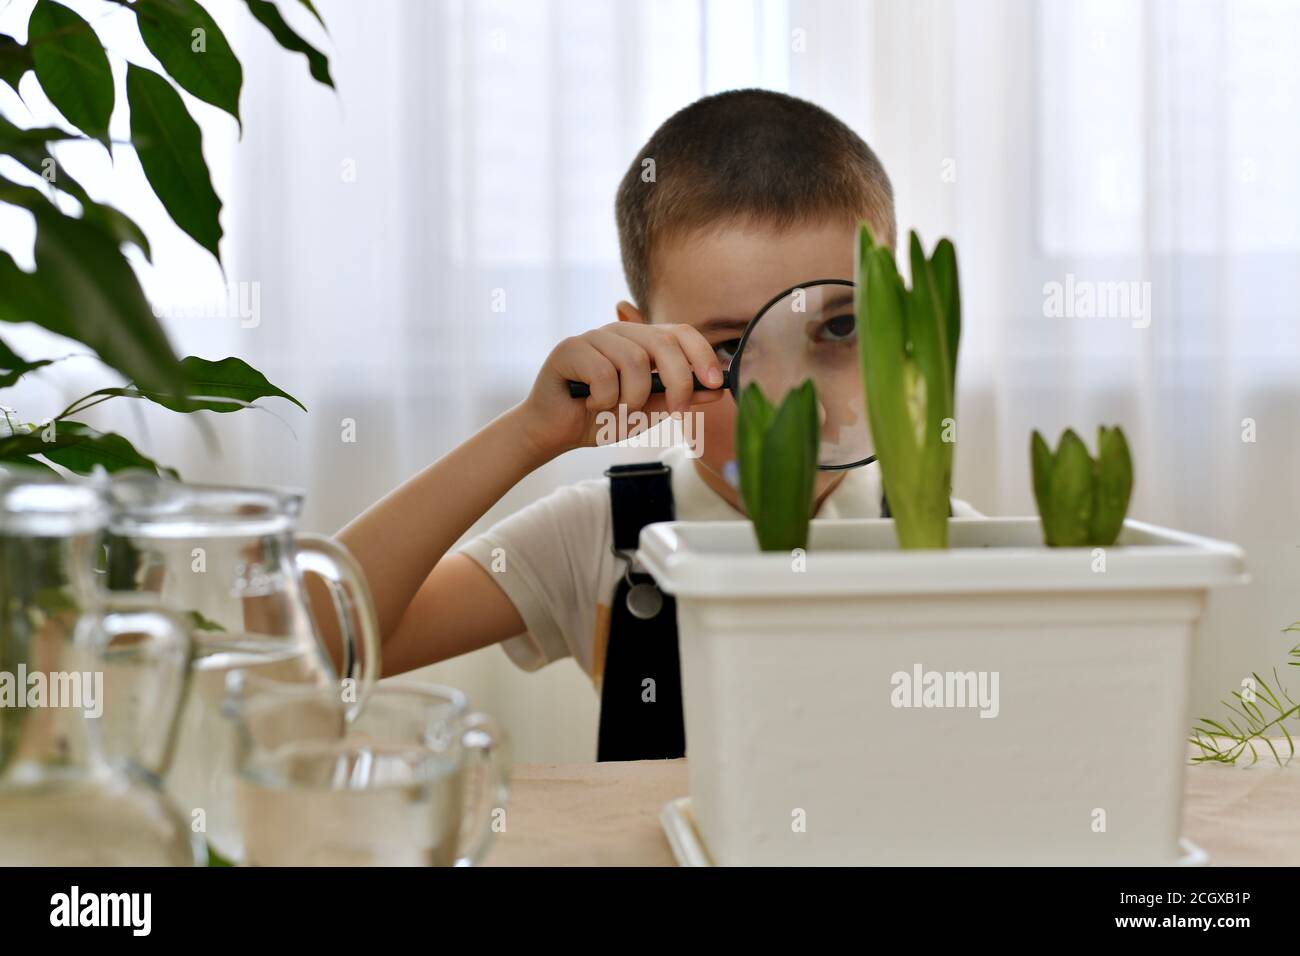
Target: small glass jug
[(231, 560), (412, 780), (79, 668)]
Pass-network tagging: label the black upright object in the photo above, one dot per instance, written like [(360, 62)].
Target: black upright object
[(636, 723)]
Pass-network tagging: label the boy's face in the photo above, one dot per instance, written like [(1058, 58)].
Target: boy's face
[(717, 280)]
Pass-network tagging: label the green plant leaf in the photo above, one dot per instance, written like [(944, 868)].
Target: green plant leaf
[(85, 289), (78, 448), (267, 14), (215, 858), (753, 417), (311, 8), (1255, 725), (170, 147), (29, 147), (13, 367), (928, 328), (1082, 501), (211, 73), (1114, 486), (777, 458), (200, 623), (789, 469), (882, 348), (1040, 456), (1071, 494), (230, 377), (72, 66), (117, 224), (943, 268), (927, 331), (87, 448), (26, 296), (226, 385), (908, 380), (15, 60)]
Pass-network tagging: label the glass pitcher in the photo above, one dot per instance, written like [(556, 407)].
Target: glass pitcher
[(77, 667), (231, 560), (412, 780)]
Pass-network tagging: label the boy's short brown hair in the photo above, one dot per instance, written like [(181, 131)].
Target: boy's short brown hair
[(744, 154)]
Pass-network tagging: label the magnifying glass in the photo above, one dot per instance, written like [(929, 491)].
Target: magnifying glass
[(809, 331)]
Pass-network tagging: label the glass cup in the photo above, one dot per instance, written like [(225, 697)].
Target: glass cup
[(232, 561), (412, 780), (90, 688)]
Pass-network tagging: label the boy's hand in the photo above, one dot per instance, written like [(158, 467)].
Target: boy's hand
[(616, 361)]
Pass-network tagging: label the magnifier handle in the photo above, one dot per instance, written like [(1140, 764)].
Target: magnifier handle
[(583, 390)]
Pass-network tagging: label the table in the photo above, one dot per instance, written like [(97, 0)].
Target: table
[(607, 814)]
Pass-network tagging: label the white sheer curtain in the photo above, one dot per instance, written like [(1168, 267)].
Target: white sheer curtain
[(419, 241), (1121, 142)]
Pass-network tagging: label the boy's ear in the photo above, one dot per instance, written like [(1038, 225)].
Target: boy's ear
[(627, 312)]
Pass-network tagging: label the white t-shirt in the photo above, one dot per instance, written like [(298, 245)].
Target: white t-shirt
[(560, 572)]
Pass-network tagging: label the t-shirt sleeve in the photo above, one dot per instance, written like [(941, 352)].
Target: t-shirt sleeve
[(547, 560)]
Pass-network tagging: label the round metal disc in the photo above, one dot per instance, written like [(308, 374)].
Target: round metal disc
[(644, 601)]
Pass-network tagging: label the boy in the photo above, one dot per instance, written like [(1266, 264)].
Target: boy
[(751, 193)]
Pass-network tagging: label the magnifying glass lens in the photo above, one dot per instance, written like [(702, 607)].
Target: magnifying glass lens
[(811, 333)]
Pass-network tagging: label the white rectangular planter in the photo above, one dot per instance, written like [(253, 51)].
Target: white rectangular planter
[(795, 677)]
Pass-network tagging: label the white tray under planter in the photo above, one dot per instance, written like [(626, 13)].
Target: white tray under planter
[(798, 754)]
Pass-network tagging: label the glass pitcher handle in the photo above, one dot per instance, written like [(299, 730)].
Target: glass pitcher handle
[(129, 633), (489, 751), (322, 555)]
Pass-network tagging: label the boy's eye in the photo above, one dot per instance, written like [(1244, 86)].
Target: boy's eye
[(840, 328), (726, 351)]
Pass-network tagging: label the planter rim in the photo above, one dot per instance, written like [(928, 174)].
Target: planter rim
[(860, 557)]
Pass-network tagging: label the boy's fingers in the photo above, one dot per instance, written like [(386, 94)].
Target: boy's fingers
[(583, 362), (669, 360), (700, 354), (632, 362), (674, 372)]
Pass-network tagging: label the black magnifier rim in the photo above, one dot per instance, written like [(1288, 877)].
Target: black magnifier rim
[(733, 370)]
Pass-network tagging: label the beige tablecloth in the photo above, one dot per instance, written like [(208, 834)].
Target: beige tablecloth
[(607, 814)]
